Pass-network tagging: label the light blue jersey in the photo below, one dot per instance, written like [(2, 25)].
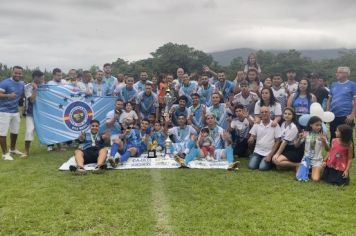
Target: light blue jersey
[(342, 95)]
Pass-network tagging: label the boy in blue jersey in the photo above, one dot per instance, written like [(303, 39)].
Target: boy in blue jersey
[(179, 109), (93, 151), (132, 142), (342, 101), (11, 91), (158, 135)]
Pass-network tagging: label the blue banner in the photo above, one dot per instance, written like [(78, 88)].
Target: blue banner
[(61, 113)]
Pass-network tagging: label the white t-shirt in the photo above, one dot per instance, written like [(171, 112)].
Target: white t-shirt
[(130, 116), (86, 87), (241, 127), (289, 133), (281, 96), (265, 137), (274, 110), (292, 88)]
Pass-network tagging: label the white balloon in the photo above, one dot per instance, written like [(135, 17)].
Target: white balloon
[(315, 105), (316, 110), (328, 116)]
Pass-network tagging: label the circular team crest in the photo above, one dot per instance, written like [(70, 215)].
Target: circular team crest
[(78, 115)]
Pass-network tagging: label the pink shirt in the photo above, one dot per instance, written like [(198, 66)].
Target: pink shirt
[(338, 156)]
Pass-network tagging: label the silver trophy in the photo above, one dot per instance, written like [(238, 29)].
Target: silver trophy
[(167, 151), (168, 100)]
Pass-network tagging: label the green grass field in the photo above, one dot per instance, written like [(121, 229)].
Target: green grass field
[(38, 199)]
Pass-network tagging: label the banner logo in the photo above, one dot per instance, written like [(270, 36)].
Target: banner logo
[(78, 116)]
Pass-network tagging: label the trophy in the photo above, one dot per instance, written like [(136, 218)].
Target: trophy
[(168, 144), (152, 149), (169, 100)]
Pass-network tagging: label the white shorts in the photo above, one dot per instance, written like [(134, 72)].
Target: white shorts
[(9, 121), (113, 138), (30, 129)]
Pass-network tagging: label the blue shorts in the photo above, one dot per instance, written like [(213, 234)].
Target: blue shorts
[(140, 149)]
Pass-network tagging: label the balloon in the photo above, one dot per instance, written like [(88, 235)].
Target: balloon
[(328, 116), (303, 120), (316, 110), (315, 105)]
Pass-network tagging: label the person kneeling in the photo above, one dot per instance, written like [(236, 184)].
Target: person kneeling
[(93, 151)]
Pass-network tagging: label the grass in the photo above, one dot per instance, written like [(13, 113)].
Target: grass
[(38, 199)]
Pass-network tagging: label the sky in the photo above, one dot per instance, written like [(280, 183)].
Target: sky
[(81, 33)]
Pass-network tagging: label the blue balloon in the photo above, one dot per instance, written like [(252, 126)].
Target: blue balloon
[(303, 120)]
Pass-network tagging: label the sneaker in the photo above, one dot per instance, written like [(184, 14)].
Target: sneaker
[(179, 160), (113, 161), (77, 170), (49, 148), (16, 152), (234, 165), (7, 157), (24, 156), (99, 169)]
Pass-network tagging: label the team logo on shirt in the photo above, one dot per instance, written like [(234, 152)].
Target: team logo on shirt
[(78, 115)]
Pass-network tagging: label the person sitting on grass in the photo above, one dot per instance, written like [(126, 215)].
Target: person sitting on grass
[(132, 142), (288, 155), (222, 144), (94, 150), (267, 139), (338, 162), (315, 140)]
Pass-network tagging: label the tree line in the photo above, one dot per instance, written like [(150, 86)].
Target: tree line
[(167, 58)]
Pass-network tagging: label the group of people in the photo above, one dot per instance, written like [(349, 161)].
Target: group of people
[(210, 117)]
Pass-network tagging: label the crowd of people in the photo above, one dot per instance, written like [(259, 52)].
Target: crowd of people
[(211, 117)]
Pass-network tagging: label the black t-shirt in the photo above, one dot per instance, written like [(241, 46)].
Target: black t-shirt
[(320, 94)]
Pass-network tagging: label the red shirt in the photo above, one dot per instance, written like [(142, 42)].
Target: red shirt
[(338, 155)]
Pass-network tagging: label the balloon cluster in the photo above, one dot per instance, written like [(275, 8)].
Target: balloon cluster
[(316, 110)]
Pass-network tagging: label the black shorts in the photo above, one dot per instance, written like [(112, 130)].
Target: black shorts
[(293, 154), (91, 155)]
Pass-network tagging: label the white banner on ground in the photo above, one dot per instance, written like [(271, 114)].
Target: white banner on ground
[(154, 163)]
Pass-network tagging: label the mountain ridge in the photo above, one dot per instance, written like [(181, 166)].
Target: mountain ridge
[(226, 56)]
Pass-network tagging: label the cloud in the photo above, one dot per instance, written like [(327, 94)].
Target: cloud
[(80, 33)]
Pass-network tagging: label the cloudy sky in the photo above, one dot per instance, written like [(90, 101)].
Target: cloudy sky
[(81, 33)]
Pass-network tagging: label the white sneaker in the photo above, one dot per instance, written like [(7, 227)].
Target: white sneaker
[(7, 157), (16, 152)]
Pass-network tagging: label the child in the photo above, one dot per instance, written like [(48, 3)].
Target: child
[(128, 116), (240, 130), (158, 135), (314, 140), (206, 144), (338, 161)]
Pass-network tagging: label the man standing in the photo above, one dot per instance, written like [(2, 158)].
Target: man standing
[(109, 80), (188, 88), (225, 87), (30, 95), (205, 90), (11, 91), (140, 85), (291, 84), (320, 93), (342, 100), (99, 87), (57, 77), (147, 103)]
